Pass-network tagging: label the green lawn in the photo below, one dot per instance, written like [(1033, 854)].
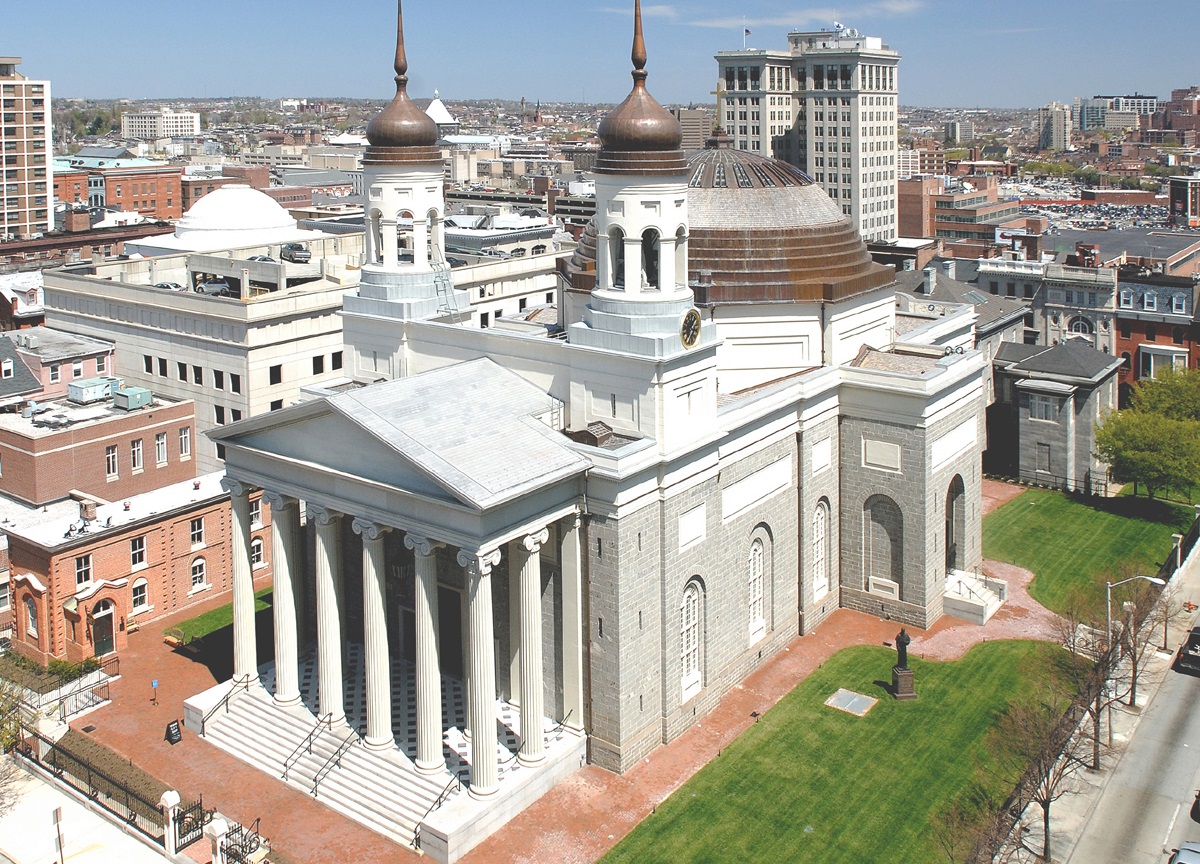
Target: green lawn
[(1070, 544), (215, 619), (811, 783)]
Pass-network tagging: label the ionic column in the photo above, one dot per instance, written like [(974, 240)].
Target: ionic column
[(285, 525), (482, 683), (430, 758), (329, 617), (245, 651), (572, 613), (533, 744), (378, 662)]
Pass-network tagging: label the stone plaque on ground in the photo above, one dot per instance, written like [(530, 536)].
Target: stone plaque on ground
[(851, 702)]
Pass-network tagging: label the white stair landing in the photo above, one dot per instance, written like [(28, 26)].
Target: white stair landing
[(973, 598), (383, 791)]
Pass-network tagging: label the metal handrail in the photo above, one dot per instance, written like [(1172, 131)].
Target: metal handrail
[(322, 724), (334, 761), (63, 713), (438, 802), (243, 683)]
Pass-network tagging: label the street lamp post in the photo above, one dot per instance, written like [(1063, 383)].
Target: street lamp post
[(1154, 580)]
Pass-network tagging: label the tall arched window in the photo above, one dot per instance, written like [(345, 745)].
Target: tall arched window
[(681, 252), (31, 618), (377, 236), (650, 252), (257, 556), (199, 574), (821, 550), (616, 256), (755, 569), (689, 641)]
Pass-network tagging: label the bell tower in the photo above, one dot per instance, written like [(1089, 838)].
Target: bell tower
[(641, 303)]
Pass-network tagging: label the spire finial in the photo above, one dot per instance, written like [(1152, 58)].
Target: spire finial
[(401, 58), (639, 45)]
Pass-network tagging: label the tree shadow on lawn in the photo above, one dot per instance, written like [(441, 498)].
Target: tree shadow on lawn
[(1144, 509), (215, 650)]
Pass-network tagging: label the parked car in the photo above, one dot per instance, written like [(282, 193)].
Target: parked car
[(295, 252), (1188, 656), (1187, 853), (266, 259), (169, 286), (214, 288)]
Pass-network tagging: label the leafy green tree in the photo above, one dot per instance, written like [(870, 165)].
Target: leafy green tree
[(1151, 448), (1173, 393)]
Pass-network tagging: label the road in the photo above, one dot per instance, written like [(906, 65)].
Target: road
[(1145, 810)]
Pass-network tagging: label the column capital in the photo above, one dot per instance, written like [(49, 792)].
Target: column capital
[(368, 529), (234, 486), (323, 515), (423, 547), (278, 502), (532, 543), (478, 563)]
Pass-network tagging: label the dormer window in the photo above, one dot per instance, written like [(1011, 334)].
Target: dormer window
[(1126, 298), (1179, 304), (1150, 301), (6, 368)]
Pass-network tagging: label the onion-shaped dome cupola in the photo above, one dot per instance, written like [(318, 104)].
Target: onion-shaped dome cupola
[(402, 132), (640, 136)]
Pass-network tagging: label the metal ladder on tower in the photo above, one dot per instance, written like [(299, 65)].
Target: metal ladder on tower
[(443, 283)]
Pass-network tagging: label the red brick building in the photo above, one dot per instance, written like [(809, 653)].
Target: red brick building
[(70, 185), (79, 585), (1155, 325), (95, 448), (155, 192)]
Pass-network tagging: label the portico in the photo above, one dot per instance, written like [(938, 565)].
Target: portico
[(434, 554)]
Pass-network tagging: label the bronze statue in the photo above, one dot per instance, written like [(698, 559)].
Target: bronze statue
[(902, 640)]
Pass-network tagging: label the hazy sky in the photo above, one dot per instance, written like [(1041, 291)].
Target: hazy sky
[(954, 52)]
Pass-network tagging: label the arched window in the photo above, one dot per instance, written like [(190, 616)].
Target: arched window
[(689, 641), (199, 574), (31, 618), (257, 558), (616, 256), (1082, 326), (1177, 335), (140, 598), (681, 253), (821, 550), (1125, 359), (377, 236), (755, 570), (651, 249), (883, 546)]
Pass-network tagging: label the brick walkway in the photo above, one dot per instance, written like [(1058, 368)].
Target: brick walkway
[(603, 807)]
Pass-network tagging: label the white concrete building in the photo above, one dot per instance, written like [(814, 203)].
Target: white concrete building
[(828, 106), (163, 123)]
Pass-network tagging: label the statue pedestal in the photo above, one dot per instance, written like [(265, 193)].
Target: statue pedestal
[(902, 683)]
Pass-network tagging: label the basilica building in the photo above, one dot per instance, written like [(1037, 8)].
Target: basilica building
[(498, 553)]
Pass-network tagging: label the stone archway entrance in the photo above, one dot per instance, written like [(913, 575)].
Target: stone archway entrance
[(955, 523)]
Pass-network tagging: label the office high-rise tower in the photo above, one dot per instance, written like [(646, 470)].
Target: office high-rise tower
[(827, 105), (25, 148)]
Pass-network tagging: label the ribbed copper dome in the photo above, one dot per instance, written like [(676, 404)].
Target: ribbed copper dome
[(402, 132), (760, 231), (640, 136)]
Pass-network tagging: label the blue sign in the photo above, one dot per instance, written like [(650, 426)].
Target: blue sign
[(154, 683)]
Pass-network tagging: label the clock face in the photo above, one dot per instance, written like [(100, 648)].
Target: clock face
[(689, 330)]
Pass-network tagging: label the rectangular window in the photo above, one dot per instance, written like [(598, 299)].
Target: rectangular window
[(83, 569), (198, 375), (1126, 298), (148, 364), (276, 373), (181, 370), (319, 364), (235, 382), (197, 531), (220, 413), (335, 360), (110, 461), (256, 513), (218, 380), (101, 364), (185, 442), (160, 448), (77, 369), (162, 367), (277, 405), (1150, 301), (4, 601), (1043, 407), (137, 552), (135, 455), (1178, 304), (54, 374)]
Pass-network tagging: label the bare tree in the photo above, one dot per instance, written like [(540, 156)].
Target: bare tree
[(10, 730), (1090, 661), (1035, 746), (1146, 613)]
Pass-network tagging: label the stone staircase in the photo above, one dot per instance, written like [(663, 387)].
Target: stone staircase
[(382, 791), (972, 597)]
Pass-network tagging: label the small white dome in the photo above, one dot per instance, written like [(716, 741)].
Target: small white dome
[(235, 208)]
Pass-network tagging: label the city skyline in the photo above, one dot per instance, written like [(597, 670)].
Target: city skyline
[(230, 49)]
